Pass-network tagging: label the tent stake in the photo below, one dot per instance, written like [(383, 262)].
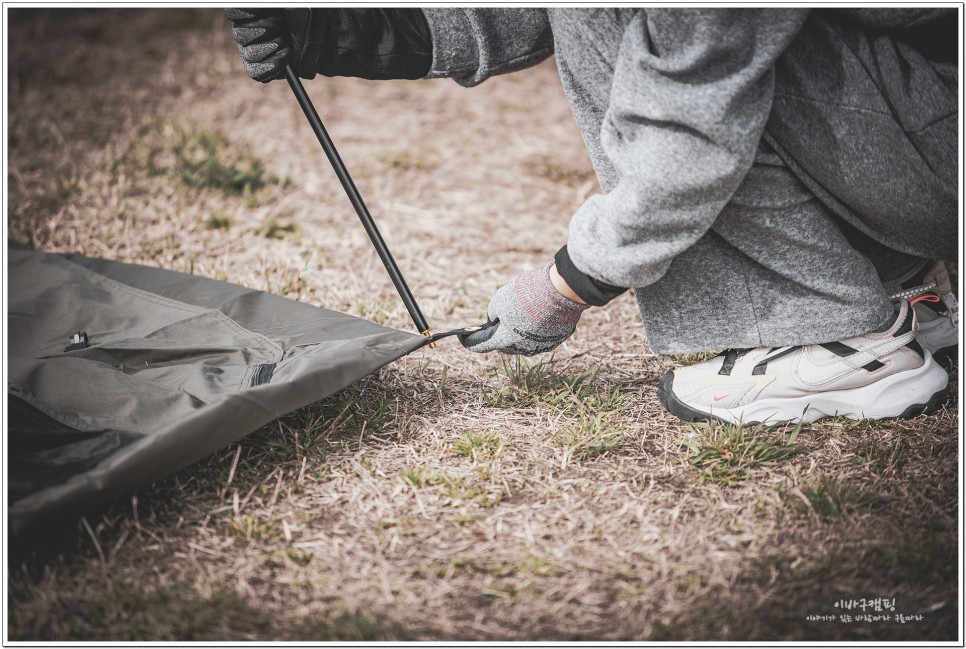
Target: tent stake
[(356, 199)]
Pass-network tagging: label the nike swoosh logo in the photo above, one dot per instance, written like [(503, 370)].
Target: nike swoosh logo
[(720, 398)]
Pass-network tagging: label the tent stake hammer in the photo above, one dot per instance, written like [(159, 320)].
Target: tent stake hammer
[(350, 189)]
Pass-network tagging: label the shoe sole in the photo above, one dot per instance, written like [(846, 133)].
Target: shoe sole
[(829, 404)]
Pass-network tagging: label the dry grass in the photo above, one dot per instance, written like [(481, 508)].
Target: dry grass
[(450, 496)]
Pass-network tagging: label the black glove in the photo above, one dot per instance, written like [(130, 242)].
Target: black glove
[(264, 41), (367, 43)]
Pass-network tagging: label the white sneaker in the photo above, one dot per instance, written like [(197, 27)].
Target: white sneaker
[(930, 291), (879, 375)]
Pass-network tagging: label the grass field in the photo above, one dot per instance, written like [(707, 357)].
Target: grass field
[(450, 496)]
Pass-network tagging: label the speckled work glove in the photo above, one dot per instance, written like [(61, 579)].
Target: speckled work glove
[(264, 38), (526, 316), (366, 43)]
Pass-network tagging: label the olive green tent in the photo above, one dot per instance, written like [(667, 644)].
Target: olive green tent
[(174, 367)]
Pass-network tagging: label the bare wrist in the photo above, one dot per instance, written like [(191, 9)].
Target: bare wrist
[(562, 287)]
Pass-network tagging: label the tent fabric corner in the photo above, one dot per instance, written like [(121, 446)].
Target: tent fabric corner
[(177, 367)]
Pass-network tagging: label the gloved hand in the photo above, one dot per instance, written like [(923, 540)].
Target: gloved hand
[(265, 38), (366, 43), (526, 316)]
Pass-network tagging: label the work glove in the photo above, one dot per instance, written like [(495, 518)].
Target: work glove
[(366, 43), (526, 316), (265, 38)]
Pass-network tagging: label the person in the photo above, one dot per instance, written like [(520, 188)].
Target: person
[(777, 183)]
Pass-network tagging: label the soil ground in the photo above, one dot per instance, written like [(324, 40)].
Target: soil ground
[(451, 496)]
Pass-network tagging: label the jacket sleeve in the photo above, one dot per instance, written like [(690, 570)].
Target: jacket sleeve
[(691, 93), (366, 43), (471, 45)]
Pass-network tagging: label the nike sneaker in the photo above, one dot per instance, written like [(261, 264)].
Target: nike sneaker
[(879, 375), (937, 310)]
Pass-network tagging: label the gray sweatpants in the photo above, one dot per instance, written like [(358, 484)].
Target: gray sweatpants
[(852, 196)]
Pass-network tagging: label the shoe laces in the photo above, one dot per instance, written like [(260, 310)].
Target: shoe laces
[(913, 292)]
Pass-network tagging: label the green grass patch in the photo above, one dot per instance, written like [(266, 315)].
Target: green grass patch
[(413, 477), (829, 498), (453, 487), (591, 409), (285, 282), (378, 311), (272, 227), (591, 433), (362, 407), (365, 405), (203, 160), (856, 427), (528, 385), (539, 565), (251, 528), (424, 478), (479, 445), (884, 457), (218, 220), (502, 570), (726, 454)]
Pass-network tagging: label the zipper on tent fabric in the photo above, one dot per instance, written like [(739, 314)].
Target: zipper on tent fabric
[(262, 374)]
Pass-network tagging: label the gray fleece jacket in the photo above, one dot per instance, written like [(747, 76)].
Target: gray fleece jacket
[(671, 104)]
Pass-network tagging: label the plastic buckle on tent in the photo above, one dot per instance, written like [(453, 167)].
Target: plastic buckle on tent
[(77, 341)]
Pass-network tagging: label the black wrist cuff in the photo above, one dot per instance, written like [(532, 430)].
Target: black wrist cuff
[(590, 290), (373, 43)]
